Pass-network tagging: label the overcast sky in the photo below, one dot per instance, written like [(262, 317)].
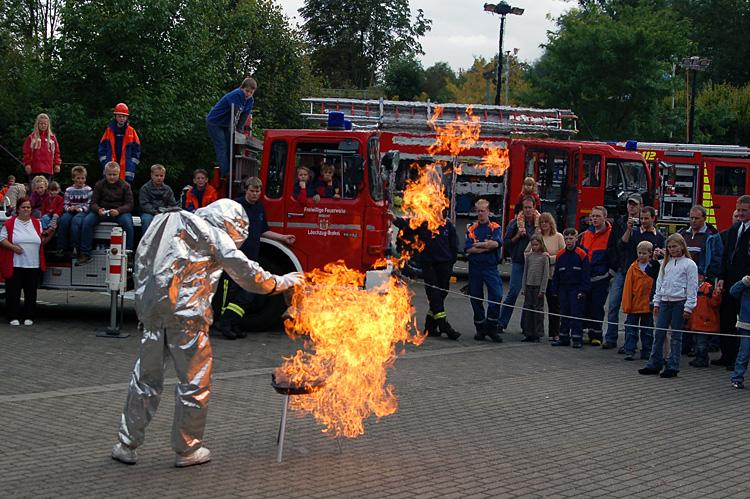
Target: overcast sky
[(461, 29)]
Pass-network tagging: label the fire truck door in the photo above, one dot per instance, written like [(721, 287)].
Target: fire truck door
[(728, 183), (590, 186), (572, 201)]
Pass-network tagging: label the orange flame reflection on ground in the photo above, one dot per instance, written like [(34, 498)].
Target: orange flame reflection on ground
[(351, 336)]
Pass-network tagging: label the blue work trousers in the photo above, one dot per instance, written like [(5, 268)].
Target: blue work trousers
[(124, 220), (743, 355), (69, 230), (594, 308), (571, 309), (221, 139), (479, 276)]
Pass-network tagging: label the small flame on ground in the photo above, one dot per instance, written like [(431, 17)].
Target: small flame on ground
[(351, 337)]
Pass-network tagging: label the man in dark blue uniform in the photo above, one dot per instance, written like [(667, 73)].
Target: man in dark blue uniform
[(483, 241), (234, 299), (436, 258)]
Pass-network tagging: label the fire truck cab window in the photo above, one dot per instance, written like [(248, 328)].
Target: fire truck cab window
[(591, 170), (373, 163), (550, 168), (276, 167), (730, 180), (348, 167), (635, 176)]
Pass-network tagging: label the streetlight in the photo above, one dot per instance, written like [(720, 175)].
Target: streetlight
[(693, 64), (503, 9)]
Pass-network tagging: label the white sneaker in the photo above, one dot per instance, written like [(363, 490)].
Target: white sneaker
[(124, 454), (199, 456), (15, 322), (28, 322)]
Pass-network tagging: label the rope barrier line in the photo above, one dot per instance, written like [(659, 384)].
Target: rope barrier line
[(604, 321)]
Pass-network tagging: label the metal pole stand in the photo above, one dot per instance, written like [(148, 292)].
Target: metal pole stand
[(113, 331), (282, 428)]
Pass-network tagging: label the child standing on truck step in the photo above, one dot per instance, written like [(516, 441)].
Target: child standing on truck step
[(535, 279), (202, 194), (75, 207), (674, 300)]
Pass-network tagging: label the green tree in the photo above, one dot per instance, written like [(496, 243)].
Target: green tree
[(722, 114), (171, 61), (404, 79), (436, 79), (610, 62), (352, 40)]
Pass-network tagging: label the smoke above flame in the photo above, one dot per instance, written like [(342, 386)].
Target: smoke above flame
[(350, 341)]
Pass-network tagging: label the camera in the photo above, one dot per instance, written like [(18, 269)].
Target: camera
[(636, 222)]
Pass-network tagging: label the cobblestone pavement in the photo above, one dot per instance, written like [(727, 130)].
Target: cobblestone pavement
[(474, 420)]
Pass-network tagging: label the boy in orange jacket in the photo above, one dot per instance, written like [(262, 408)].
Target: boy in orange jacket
[(704, 319), (636, 299)]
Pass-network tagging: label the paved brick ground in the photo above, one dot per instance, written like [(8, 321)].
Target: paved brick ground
[(474, 420)]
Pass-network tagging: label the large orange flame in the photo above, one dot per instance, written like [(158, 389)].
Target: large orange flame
[(461, 135), (424, 199), (351, 336)]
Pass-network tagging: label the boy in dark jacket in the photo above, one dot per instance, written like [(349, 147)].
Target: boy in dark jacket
[(112, 201), (571, 282), (155, 194)]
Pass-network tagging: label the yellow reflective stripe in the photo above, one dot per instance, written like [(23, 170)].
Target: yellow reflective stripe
[(236, 309), (224, 295), (430, 314), (439, 315)]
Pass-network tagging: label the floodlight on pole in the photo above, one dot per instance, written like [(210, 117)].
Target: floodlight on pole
[(502, 8), (693, 64)]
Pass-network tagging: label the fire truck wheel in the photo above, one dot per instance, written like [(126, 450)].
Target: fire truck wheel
[(264, 313)]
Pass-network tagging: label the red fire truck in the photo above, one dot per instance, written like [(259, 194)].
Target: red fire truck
[(572, 176), (712, 176)]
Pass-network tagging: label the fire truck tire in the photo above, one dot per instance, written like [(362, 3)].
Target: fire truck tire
[(264, 313)]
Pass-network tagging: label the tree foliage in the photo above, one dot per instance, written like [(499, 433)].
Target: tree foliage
[(170, 61), (404, 79), (610, 62), (352, 40)]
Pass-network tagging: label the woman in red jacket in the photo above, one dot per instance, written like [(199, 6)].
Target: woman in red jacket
[(41, 154), (21, 262)]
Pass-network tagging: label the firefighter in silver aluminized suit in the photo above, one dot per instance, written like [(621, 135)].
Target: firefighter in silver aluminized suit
[(177, 267)]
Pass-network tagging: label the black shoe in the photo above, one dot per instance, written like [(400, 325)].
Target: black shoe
[(226, 331), (495, 336), (649, 370), (669, 373), (561, 343), (536, 339), (453, 334), (608, 345), (721, 362), (432, 332), (239, 332), (621, 351), (578, 344), (528, 339), (500, 329), (83, 260), (479, 336), (628, 356), (60, 253), (698, 363), (738, 384)]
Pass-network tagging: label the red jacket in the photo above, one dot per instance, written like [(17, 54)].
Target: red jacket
[(53, 206), (705, 316), (191, 200), (45, 158), (6, 255)]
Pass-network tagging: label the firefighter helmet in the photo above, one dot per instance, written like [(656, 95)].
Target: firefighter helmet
[(121, 108)]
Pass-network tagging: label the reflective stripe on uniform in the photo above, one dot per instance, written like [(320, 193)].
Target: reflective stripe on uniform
[(236, 309)]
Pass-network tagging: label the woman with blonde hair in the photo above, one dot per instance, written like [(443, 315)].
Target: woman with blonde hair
[(41, 154), (554, 243)]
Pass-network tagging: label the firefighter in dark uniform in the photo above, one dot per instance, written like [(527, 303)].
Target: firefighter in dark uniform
[(437, 258)]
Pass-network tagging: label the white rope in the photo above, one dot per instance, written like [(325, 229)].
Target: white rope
[(604, 321)]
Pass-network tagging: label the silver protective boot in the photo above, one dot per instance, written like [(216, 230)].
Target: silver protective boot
[(199, 456), (124, 454)]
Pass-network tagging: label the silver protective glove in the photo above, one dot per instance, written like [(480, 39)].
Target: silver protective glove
[(288, 281)]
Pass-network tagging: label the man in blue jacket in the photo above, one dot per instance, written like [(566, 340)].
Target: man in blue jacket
[(218, 120)]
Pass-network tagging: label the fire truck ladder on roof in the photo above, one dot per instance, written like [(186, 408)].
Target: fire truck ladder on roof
[(707, 149), (413, 117)]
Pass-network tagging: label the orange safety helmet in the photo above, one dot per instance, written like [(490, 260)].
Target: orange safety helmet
[(121, 108)]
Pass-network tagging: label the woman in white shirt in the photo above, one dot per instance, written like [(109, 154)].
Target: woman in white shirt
[(21, 263)]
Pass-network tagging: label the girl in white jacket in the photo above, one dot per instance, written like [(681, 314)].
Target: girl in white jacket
[(675, 297)]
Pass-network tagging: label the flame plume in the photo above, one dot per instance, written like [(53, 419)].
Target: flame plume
[(424, 199), (351, 337)]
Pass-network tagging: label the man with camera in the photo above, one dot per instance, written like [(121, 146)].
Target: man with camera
[(619, 227)]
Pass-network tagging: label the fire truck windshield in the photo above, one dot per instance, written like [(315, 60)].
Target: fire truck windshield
[(636, 177)]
